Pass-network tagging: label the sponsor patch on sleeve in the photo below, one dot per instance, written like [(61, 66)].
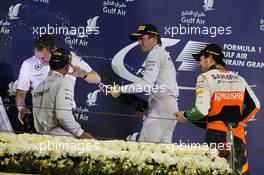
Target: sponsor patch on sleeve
[(199, 91)]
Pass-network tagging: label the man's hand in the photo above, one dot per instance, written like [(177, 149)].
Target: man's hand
[(139, 113), (115, 91), (180, 117), (77, 72), (91, 77), (86, 135), (21, 114)]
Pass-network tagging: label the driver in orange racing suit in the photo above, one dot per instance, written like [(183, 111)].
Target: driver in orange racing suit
[(222, 97)]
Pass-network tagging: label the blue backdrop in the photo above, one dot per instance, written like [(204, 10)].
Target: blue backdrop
[(185, 27)]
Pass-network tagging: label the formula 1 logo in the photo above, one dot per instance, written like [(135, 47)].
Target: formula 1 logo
[(188, 63)]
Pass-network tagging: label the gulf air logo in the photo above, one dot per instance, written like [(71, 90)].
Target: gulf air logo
[(208, 5), (13, 11)]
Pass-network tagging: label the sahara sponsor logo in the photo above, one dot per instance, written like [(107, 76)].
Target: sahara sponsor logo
[(225, 76), (220, 96)]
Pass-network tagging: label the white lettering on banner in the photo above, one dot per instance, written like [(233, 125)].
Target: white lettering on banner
[(193, 23), (239, 55), (80, 31), (242, 63), (91, 28), (79, 116), (261, 24), (254, 64), (73, 35), (4, 30), (109, 11), (212, 31), (42, 1), (83, 42), (239, 63), (115, 8), (80, 113), (241, 48), (219, 96), (192, 13), (229, 54), (70, 41)]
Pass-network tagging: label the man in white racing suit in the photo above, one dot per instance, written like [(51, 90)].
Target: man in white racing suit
[(53, 100), (159, 80)]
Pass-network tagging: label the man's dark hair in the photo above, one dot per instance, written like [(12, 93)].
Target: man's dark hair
[(44, 41), (158, 38), (60, 58), (217, 58)]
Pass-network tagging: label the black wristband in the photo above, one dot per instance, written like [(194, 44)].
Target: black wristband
[(85, 75), (184, 114)]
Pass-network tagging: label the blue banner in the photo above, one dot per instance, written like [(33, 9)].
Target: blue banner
[(98, 32)]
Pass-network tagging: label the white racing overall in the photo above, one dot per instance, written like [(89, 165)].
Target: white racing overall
[(159, 80)]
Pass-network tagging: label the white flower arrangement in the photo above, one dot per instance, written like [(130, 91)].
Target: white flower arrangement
[(31, 153)]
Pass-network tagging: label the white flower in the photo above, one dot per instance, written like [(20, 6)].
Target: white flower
[(142, 156)]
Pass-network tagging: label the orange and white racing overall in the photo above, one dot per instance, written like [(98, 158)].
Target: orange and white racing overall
[(223, 97)]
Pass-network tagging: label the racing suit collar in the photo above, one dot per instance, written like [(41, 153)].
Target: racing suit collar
[(216, 66), (155, 47), (55, 73)]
